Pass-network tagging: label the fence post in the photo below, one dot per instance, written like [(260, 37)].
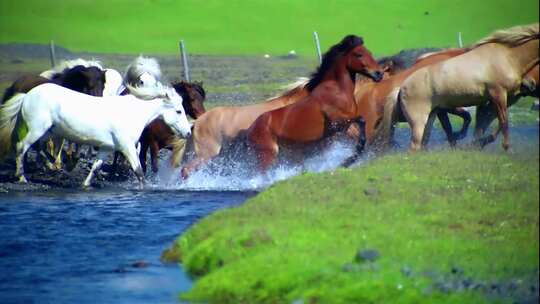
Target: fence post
[(317, 45), (460, 41), (52, 54), (184, 60)]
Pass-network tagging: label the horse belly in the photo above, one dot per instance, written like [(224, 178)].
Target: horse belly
[(83, 133)]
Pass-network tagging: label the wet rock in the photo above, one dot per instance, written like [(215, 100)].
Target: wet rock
[(139, 264), (456, 270), (371, 191), (367, 255), (406, 271)]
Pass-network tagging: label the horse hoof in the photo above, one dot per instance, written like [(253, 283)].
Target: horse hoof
[(22, 179), (184, 174)]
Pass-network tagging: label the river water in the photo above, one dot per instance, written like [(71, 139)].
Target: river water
[(103, 246)]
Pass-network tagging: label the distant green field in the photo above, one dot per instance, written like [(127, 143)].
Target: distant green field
[(256, 26)]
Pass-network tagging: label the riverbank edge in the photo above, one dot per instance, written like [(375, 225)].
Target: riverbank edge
[(363, 235)]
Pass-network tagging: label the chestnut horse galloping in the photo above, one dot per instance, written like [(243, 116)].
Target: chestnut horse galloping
[(328, 108)]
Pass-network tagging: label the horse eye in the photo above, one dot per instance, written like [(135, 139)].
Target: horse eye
[(358, 55), (179, 112)]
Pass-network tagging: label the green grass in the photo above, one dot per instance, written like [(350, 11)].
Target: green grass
[(256, 26), (426, 212)]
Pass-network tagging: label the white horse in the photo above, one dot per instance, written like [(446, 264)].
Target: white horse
[(112, 123)]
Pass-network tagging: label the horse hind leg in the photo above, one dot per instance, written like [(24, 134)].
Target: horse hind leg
[(265, 147), (417, 114), (95, 166), (22, 147)]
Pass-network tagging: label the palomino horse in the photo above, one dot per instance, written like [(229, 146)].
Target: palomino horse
[(328, 108), (157, 135), (485, 114), (493, 69), (371, 98), (96, 121), (220, 125)]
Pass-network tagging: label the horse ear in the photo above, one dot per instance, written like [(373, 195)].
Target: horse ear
[(388, 66)]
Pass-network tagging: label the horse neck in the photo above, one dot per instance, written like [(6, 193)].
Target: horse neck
[(340, 74), (148, 109), (526, 55)]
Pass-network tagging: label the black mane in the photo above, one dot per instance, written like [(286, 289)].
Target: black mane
[(329, 58)]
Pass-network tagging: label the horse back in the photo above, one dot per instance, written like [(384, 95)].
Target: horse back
[(23, 85)]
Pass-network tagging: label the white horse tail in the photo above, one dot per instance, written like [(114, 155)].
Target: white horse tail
[(147, 92), (11, 120), (142, 65), (178, 150), (385, 129)]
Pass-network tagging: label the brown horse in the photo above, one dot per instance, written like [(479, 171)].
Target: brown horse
[(485, 114), (328, 108), (492, 70), (157, 135), (371, 99), (219, 126)]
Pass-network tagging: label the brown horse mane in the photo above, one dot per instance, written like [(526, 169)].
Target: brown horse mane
[(328, 59), (511, 37)]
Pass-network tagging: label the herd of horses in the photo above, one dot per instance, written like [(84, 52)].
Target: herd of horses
[(350, 95)]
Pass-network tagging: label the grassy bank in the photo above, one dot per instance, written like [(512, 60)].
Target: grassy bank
[(444, 227), (254, 27)]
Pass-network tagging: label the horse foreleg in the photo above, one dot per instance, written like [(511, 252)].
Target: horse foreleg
[(205, 149), (142, 155), (428, 127), (447, 127), (154, 150), (130, 153), (499, 100), (466, 116), (357, 130)]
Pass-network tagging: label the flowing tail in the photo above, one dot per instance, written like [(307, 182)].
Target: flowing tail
[(11, 120), (178, 150), (384, 132)]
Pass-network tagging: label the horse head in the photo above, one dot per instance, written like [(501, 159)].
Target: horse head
[(193, 95), (173, 113), (359, 58)]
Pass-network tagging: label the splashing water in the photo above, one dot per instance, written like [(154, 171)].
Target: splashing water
[(236, 173)]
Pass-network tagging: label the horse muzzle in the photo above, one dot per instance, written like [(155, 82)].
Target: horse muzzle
[(376, 76)]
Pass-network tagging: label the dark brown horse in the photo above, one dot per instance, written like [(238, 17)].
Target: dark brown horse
[(328, 108), (157, 135), (88, 80)]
